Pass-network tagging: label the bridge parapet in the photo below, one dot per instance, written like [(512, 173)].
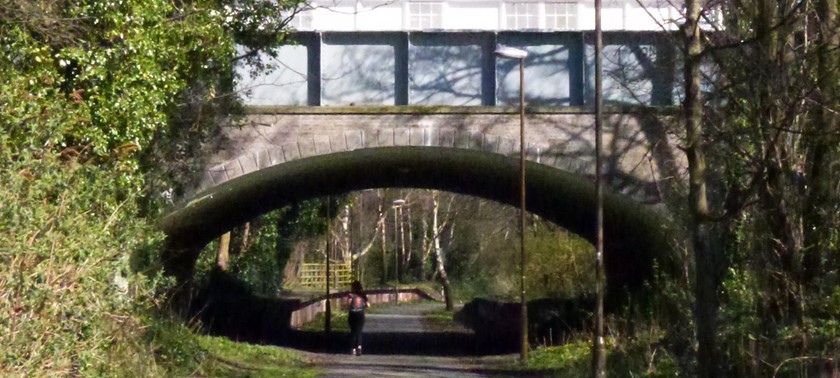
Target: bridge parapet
[(638, 156)]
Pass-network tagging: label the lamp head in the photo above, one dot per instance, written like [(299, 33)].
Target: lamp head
[(510, 52)]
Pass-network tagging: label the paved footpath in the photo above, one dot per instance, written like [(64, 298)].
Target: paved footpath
[(402, 325)]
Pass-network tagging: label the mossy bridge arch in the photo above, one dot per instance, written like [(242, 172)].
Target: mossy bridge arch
[(285, 155)]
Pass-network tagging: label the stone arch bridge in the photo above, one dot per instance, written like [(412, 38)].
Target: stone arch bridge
[(284, 154), (639, 156)]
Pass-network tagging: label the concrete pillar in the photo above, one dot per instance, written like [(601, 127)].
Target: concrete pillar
[(488, 70), (577, 74), (313, 69), (401, 94)]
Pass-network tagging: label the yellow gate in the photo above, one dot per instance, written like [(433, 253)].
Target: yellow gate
[(315, 274)]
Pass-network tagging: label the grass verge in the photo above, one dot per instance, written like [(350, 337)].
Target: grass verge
[(641, 356), (226, 358), (338, 322)]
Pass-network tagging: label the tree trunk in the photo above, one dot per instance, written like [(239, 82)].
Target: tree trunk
[(397, 272), (705, 285), (344, 236), (383, 279), (356, 240), (447, 290), (364, 250), (246, 233), (223, 256), (784, 243), (408, 241), (403, 250), (820, 176), (425, 250)]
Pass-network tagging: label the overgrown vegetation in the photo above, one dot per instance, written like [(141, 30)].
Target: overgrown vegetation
[(91, 113), (770, 131), (71, 300), (226, 358), (638, 356), (107, 107)]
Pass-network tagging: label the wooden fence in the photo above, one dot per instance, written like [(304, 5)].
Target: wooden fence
[(315, 274)]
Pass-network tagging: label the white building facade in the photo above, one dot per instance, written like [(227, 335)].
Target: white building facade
[(430, 53), (484, 15)]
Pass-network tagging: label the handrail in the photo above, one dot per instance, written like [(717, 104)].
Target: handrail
[(307, 311)]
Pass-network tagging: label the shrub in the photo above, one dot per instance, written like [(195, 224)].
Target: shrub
[(66, 239)]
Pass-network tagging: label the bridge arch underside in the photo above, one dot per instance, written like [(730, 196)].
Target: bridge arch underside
[(634, 234)]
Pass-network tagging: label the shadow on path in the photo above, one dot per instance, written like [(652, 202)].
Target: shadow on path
[(396, 343), (226, 308), (415, 366)]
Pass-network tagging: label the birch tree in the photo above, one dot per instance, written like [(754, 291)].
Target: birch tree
[(246, 234), (223, 255), (439, 258), (425, 250), (381, 213)]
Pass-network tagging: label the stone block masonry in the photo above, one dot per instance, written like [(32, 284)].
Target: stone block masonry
[(637, 148)]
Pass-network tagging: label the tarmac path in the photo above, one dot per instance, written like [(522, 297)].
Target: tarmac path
[(402, 341)]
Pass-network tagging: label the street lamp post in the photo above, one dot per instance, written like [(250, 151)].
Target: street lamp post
[(514, 53), (599, 354), (328, 252)]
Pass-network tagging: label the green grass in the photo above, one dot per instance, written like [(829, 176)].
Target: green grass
[(226, 358), (338, 321), (440, 313), (439, 320), (634, 357), (568, 360)]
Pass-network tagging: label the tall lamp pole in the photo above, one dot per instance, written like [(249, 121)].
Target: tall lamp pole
[(328, 313), (513, 53), (599, 356)]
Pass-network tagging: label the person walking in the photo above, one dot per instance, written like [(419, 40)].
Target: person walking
[(357, 302)]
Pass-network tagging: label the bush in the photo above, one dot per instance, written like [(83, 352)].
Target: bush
[(639, 356), (66, 239)]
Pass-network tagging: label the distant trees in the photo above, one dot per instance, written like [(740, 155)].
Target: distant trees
[(469, 241), (467, 245)]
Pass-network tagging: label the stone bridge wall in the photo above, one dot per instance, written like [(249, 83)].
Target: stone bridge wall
[(637, 147)]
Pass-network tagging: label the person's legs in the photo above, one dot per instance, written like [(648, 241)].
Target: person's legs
[(361, 326), (356, 323)]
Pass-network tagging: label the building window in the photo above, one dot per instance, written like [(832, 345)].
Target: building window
[(302, 20), (560, 16), (425, 15), (522, 15)]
